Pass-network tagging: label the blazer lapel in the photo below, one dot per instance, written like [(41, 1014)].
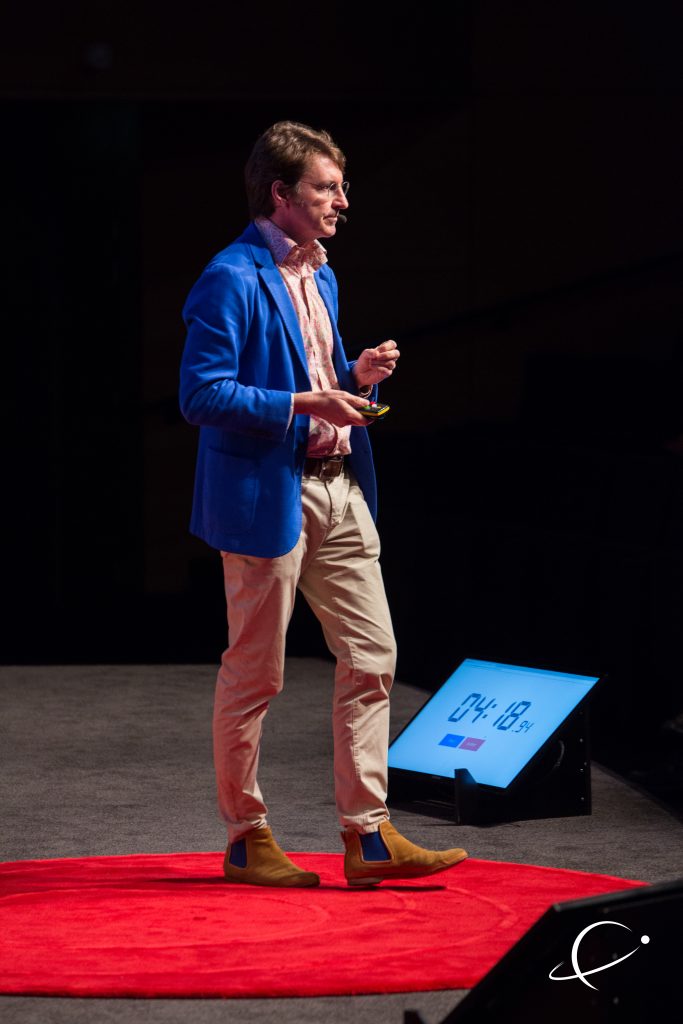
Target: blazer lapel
[(272, 280), (341, 366)]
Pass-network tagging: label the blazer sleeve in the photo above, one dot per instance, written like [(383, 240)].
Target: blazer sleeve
[(218, 315)]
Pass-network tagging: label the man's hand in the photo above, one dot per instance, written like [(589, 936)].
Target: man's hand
[(338, 407), (376, 364)]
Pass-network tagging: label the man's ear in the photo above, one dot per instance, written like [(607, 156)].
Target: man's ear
[(278, 192)]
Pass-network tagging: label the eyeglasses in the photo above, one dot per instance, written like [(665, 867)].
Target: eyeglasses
[(330, 188)]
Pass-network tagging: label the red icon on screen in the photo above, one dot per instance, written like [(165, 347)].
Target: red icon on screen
[(471, 743)]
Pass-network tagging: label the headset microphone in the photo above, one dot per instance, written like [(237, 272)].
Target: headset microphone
[(341, 217)]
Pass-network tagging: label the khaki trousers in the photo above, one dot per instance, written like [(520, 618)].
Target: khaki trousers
[(335, 565)]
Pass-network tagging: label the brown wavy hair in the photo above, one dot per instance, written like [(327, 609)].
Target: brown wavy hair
[(281, 154)]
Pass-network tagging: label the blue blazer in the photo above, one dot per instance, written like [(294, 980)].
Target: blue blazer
[(244, 356)]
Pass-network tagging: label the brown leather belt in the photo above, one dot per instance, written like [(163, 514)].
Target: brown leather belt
[(324, 469)]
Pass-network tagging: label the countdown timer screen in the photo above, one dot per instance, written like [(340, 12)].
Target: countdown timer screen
[(488, 718)]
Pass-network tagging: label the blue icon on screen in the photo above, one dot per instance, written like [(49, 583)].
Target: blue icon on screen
[(450, 740)]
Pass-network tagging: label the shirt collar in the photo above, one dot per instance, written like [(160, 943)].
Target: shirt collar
[(285, 250)]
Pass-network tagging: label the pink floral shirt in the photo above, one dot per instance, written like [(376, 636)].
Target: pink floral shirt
[(297, 264)]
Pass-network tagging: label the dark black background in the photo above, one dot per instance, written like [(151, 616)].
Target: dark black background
[(515, 223)]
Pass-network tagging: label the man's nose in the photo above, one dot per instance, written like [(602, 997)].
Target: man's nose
[(340, 201)]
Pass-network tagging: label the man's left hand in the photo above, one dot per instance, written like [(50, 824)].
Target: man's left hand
[(376, 364)]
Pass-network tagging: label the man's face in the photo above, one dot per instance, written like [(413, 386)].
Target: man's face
[(311, 210)]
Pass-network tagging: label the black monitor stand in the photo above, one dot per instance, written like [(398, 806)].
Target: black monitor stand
[(556, 783)]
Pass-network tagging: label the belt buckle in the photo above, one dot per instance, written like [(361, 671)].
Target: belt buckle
[(330, 468)]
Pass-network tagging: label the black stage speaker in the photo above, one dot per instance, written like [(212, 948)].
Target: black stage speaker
[(497, 742), (603, 960)]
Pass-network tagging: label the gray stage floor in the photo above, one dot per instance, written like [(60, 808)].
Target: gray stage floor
[(117, 759)]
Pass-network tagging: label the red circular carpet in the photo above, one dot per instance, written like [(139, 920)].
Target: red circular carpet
[(167, 925)]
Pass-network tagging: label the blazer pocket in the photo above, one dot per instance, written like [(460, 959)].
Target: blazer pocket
[(232, 485)]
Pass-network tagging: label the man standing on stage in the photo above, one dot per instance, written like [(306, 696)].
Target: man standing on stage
[(285, 489)]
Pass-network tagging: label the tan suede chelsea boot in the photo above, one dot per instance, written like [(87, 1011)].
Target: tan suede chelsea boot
[(266, 864), (406, 860)]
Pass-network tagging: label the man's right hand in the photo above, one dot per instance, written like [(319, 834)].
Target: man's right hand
[(337, 407)]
